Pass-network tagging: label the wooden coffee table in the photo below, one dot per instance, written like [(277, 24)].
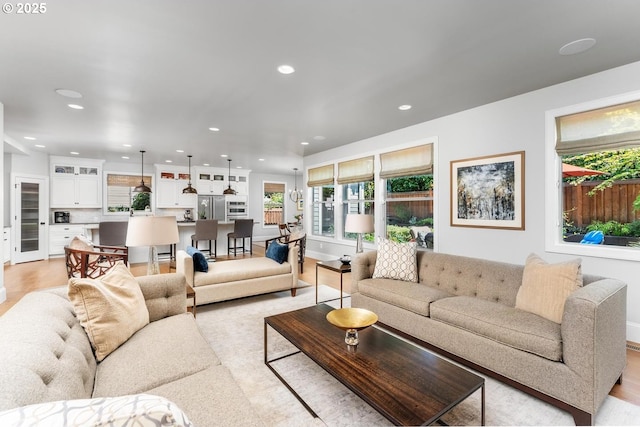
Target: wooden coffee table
[(405, 383)]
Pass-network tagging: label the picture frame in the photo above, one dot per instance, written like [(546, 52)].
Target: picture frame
[(300, 204), (488, 191)]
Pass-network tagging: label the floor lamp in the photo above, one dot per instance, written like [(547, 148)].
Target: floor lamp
[(152, 231), (359, 223)]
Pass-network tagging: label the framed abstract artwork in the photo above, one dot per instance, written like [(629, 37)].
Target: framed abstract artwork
[(488, 191)]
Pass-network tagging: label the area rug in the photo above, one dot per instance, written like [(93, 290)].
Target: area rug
[(235, 330)]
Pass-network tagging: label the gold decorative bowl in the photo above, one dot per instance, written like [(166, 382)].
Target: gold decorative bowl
[(352, 320)]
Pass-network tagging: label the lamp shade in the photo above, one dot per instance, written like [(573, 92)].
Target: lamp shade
[(359, 223), (152, 231)]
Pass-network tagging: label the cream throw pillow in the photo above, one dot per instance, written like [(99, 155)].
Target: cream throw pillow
[(396, 261), (110, 308), (545, 287)]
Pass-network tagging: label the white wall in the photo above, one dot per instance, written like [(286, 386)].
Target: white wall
[(3, 291), (509, 125)]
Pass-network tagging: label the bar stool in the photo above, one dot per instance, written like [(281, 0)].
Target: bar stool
[(206, 229), (242, 228)]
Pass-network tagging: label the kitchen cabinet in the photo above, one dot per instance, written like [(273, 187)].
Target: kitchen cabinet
[(210, 181), (61, 234), (75, 183), (170, 181)]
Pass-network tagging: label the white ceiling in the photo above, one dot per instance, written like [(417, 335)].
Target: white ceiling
[(157, 74)]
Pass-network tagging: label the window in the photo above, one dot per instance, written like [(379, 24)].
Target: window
[(320, 180), (409, 193), (594, 151), (120, 195), (358, 191), (273, 203)]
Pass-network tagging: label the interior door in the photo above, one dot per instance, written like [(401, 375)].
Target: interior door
[(31, 220)]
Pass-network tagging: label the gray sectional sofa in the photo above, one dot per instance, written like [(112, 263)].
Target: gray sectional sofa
[(464, 308), (238, 278), (50, 358)]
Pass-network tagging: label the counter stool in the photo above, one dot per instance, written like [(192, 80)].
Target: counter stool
[(206, 229), (242, 229)]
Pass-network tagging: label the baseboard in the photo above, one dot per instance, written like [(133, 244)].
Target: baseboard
[(633, 332), (633, 346)]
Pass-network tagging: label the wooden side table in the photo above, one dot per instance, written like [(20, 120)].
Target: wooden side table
[(336, 266), (191, 300)]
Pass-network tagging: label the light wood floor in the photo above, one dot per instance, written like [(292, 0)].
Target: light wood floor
[(20, 279)]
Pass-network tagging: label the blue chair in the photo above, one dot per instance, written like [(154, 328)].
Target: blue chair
[(595, 237)]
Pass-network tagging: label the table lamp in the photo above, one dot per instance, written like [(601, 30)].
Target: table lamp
[(359, 223), (152, 231)]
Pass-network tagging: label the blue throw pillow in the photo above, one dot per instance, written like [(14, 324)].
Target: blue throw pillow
[(199, 261), (277, 252)]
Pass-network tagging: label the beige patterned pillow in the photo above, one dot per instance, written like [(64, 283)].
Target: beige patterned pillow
[(110, 308), (545, 287), (396, 261), (132, 410)]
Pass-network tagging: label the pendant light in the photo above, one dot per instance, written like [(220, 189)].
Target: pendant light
[(189, 189), (296, 194), (229, 190), (142, 188)]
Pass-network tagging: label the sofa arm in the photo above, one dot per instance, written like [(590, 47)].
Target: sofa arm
[(293, 259), (164, 294), (362, 266), (184, 266), (594, 334)]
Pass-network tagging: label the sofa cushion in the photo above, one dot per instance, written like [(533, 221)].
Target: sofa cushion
[(507, 325), (240, 269), (46, 355), (134, 410), (545, 287), (411, 296), (396, 261), (161, 352), (199, 261), (277, 252), (110, 308)]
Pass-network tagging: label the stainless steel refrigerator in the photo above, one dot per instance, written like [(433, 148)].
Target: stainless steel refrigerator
[(211, 207)]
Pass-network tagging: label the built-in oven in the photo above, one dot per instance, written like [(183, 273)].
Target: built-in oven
[(236, 209)]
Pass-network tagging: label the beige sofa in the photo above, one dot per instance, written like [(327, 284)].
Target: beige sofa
[(239, 278), (46, 356), (464, 308)]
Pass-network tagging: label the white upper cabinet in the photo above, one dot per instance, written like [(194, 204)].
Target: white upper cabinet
[(170, 180), (213, 181), (75, 182)]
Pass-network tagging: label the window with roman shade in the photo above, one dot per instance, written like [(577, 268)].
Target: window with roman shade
[(357, 170), (609, 128), (358, 190), (409, 161), (320, 176), (321, 180)]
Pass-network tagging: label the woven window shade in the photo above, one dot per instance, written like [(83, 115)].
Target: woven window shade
[(410, 161), (357, 170), (610, 128), (320, 176), (272, 187)]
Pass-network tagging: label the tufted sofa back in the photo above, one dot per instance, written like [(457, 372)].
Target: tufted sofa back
[(45, 354), (489, 280)]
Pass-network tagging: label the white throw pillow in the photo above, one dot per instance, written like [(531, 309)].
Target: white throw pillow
[(396, 261)]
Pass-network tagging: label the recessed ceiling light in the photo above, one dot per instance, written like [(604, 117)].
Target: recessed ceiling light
[(40, 146), (75, 153), (205, 164), (168, 161), (126, 145), (224, 155), (214, 129), (125, 157), (238, 167), (30, 138), (304, 143), (179, 151), (286, 69), (319, 138), (577, 46), (404, 107), (76, 106), (68, 93), (261, 160)]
